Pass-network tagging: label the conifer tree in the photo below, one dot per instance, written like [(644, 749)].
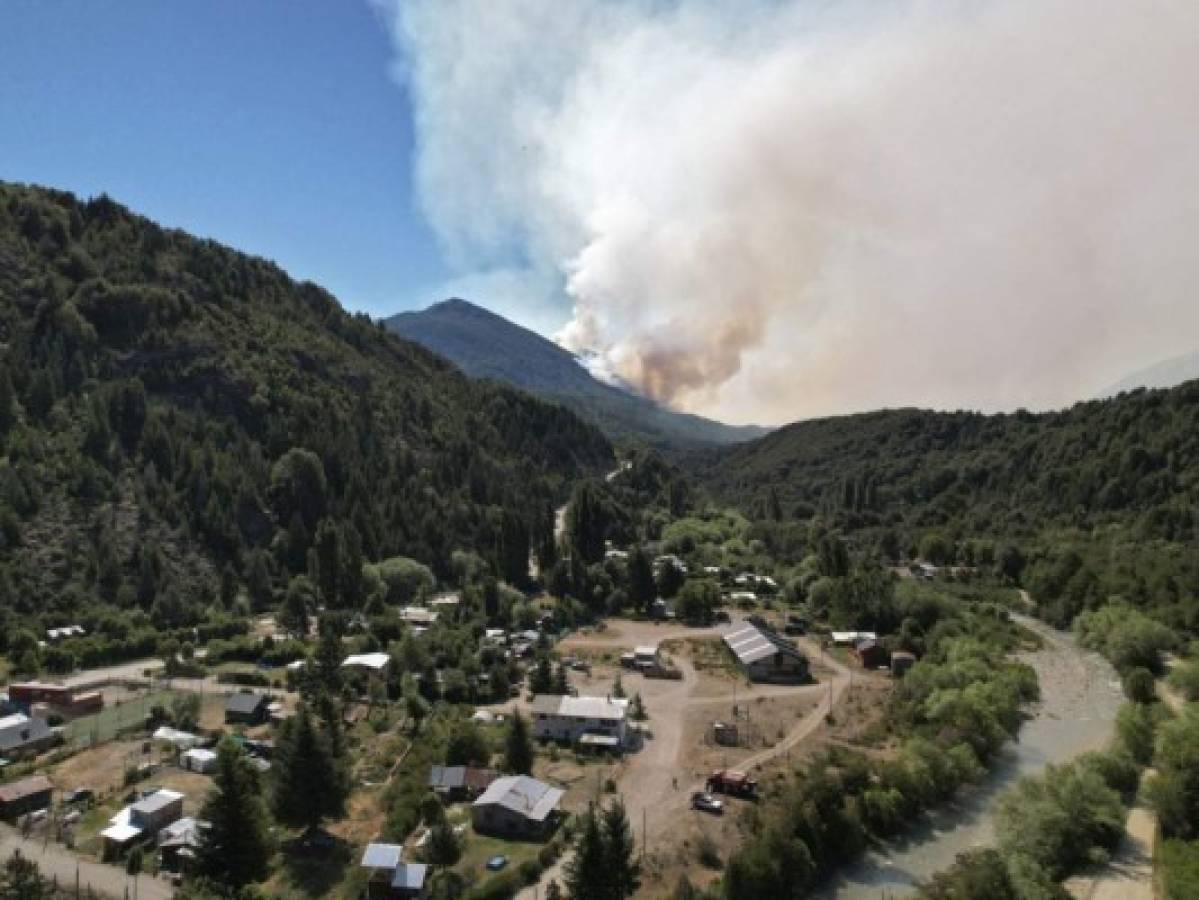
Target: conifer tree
[(235, 847), (518, 746), (310, 783), (620, 871), (585, 870)]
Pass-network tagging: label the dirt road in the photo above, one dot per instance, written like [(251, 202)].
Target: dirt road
[(57, 862), (657, 785), (1129, 875)]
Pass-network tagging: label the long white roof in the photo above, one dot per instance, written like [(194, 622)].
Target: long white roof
[(609, 708)]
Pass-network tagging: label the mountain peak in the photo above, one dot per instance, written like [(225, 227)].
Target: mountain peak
[(486, 345)]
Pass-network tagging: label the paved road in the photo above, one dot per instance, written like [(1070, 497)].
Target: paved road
[(55, 861)]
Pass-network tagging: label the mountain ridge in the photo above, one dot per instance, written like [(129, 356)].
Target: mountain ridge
[(487, 345)]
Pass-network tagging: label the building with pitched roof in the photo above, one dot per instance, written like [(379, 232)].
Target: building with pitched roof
[(517, 806), (764, 654), (581, 719)]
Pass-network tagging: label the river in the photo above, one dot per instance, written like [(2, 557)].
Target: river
[(1080, 694)]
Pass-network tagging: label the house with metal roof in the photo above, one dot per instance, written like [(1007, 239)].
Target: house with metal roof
[(591, 721), (764, 654), (376, 663), (141, 820), (245, 708), (390, 877), (26, 736), (517, 806)]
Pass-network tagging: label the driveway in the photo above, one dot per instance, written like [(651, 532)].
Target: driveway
[(56, 862), (653, 792)]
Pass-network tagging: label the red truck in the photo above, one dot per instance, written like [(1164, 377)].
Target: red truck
[(733, 783)]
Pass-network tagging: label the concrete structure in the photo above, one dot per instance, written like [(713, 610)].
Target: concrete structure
[(246, 709), (764, 654), (517, 806), (25, 796), (565, 718), (25, 737), (390, 877)]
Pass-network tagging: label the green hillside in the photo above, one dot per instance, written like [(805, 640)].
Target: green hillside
[(184, 427), (485, 345), (1101, 499)]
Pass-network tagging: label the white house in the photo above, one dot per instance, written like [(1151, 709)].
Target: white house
[(199, 760), (599, 721)]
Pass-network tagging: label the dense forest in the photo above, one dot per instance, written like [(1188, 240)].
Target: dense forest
[(1080, 506), (183, 428)]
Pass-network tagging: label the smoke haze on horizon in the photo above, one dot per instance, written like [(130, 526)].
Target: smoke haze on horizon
[(767, 211)]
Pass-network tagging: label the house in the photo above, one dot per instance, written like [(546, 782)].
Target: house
[(591, 721), (23, 737), (870, 654), (199, 760), (375, 663), (418, 615), (141, 820), (446, 602), (517, 806), (901, 661), (179, 842), (244, 708), (28, 795), (764, 654), (390, 877), (496, 636), (459, 782)]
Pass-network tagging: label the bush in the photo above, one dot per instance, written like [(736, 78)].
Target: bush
[(530, 871), (1178, 865), (499, 887), (1139, 685)]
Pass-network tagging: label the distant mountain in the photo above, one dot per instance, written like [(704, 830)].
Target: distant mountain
[(1163, 375), (485, 345)]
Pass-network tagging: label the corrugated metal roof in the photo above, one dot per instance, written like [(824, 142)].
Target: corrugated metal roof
[(526, 796)]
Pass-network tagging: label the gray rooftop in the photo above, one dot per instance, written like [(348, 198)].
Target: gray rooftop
[(20, 734), (244, 703), (410, 876), (527, 796), (382, 856)]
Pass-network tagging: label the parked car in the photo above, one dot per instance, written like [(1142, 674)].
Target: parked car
[(705, 802), (496, 863)]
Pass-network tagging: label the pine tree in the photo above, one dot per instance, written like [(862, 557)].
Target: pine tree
[(541, 680), (642, 589), (561, 684), (293, 612), (518, 746), (326, 562), (8, 404), (620, 872), (586, 876), (443, 848), (235, 848), (310, 784)]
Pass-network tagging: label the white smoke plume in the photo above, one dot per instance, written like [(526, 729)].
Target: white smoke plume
[(772, 210)]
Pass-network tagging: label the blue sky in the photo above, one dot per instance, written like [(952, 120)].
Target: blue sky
[(272, 126)]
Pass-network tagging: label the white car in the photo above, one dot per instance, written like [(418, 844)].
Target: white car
[(705, 802)]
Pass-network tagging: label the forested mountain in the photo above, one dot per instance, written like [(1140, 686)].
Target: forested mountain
[(486, 345), (1093, 502), (182, 425)]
